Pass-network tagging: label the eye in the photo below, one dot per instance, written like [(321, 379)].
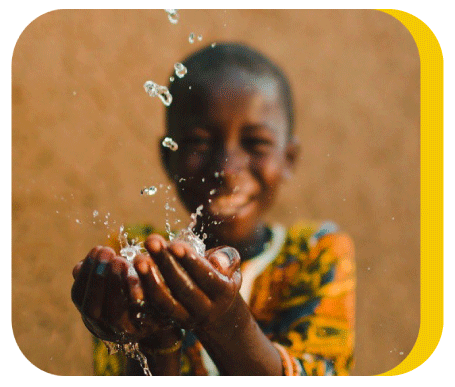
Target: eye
[(196, 143), (258, 145)]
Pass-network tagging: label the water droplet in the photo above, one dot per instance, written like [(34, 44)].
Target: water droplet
[(180, 70), (172, 15), (171, 79), (213, 45), (213, 191), (78, 221), (149, 191), (199, 37), (154, 90), (130, 251), (95, 213), (401, 353), (217, 174), (74, 93), (191, 38), (168, 142), (167, 207)]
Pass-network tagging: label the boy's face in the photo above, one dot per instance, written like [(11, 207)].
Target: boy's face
[(234, 150)]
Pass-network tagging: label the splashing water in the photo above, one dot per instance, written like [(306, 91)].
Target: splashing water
[(187, 235), (149, 190), (127, 250), (172, 15), (180, 70), (131, 350), (154, 90), (168, 142)]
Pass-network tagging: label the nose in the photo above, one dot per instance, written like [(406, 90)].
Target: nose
[(232, 162)]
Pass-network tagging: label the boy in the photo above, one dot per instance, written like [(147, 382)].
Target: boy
[(276, 301)]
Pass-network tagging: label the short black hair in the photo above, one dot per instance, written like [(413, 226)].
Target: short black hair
[(219, 56)]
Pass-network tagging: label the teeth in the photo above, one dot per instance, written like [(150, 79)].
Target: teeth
[(228, 204), (231, 200)]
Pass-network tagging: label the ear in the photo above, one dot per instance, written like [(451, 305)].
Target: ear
[(291, 156)]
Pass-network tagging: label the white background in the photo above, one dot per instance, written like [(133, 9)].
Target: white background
[(437, 15)]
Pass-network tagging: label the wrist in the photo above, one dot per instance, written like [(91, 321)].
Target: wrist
[(165, 341), (228, 326)]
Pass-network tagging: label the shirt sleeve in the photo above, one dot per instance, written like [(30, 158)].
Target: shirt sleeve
[(314, 323)]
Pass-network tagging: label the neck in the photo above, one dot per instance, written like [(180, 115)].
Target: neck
[(248, 247)]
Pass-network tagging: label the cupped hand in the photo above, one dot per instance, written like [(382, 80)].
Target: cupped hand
[(108, 293), (193, 291)]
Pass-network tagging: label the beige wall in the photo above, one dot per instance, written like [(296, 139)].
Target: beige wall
[(85, 138)]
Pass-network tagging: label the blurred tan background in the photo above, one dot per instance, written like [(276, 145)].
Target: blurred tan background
[(85, 138)]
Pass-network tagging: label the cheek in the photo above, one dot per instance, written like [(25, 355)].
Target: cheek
[(270, 175), (190, 164)]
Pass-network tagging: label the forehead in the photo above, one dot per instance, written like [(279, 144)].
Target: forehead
[(222, 95), (240, 90)]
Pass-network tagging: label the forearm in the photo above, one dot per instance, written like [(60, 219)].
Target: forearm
[(238, 346)]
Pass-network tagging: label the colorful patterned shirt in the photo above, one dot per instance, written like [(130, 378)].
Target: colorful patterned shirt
[(301, 291)]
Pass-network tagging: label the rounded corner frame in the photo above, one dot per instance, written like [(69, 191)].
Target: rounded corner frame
[(431, 192)]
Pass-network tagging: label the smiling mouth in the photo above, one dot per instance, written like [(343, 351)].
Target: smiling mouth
[(228, 205)]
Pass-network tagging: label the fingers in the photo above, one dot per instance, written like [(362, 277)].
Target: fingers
[(82, 274), (157, 294), (183, 290), (181, 283), (104, 287), (95, 288), (116, 302), (210, 276), (77, 269)]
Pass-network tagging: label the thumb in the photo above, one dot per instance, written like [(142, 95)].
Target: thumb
[(225, 259)]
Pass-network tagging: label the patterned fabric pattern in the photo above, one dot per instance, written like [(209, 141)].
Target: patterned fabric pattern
[(304, 301)]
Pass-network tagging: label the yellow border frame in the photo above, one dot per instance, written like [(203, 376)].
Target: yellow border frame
[(431, 192)]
